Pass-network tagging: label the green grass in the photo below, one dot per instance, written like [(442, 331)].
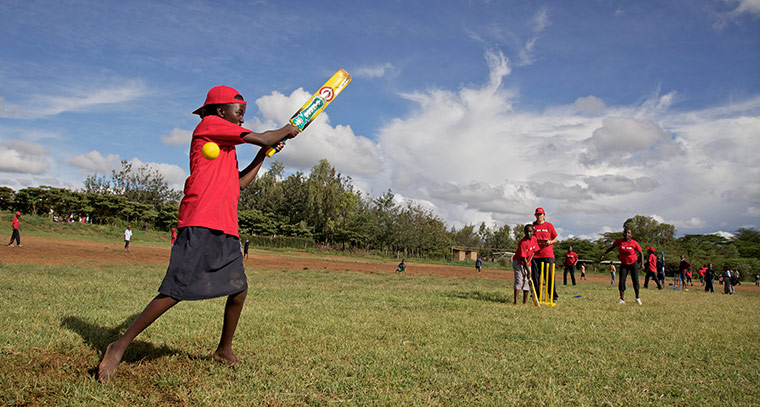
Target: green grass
[(324, 338), (43, 226)]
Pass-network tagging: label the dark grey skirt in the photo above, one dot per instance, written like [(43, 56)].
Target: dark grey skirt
[(204, 264)]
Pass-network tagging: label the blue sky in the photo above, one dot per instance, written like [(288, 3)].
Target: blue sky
[(478, 110)]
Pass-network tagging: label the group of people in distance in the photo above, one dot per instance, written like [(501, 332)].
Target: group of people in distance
[(535, 249)]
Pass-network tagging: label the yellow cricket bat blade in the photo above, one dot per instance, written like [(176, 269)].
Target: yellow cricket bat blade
[(533, 291), (318, 102)]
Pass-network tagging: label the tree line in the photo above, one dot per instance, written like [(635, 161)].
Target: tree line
[(324, 206)]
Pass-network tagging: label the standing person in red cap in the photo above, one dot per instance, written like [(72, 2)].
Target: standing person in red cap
[(174, 235), (546, 237), (16, 233), (206, 261), (651, 269)]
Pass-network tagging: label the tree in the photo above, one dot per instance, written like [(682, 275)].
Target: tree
[(6, 198), (143, 184), (747, 242)]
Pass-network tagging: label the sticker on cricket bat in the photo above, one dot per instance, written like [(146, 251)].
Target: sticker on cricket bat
[(318, 102)]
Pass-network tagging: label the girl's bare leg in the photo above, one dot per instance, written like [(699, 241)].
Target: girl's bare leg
[(232, 312), (115, 350)]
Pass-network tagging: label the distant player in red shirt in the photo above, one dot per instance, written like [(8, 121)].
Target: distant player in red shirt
[(683, 268), (628, 253), (651, 269), (206, 261), (16, 230), (571, 258), (521, 262), (174, 235), (546, 237)]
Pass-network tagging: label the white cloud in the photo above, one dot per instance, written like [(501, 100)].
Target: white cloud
[(338, 144), (73, 99), (745, 6), (94, 161), (590, 105), (23, 157), (619, 184), (539, 23), (178, 137), (628, 141), (372, 72)]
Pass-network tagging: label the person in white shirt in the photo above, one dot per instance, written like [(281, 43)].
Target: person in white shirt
[(127, 237)]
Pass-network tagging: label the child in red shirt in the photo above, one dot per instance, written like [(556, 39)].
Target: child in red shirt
[(628, 253), (521, 262), (205, 260)]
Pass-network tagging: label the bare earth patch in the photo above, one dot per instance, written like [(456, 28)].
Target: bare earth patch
[(50, 251)]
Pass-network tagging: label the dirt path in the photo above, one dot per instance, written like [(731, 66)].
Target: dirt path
[(49, 251)]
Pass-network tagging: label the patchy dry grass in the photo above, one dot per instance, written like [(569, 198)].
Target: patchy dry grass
[(326, 338)]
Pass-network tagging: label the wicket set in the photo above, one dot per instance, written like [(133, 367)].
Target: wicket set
[(677, 282), (546, 285)]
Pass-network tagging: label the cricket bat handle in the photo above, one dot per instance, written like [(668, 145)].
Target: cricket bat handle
[(271, 151)]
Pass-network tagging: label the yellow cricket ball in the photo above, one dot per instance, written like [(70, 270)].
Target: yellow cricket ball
[(210, 150)]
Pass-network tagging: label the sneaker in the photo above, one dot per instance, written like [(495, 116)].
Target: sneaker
[(638, 301), (620, 301)]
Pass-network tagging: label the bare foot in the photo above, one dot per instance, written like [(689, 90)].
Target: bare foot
[(226, 357), (110, 362)]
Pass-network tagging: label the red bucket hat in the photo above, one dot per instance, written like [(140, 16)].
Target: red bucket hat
[(220, 95)]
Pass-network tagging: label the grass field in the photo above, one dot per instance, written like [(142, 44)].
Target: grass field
[(311, 337)]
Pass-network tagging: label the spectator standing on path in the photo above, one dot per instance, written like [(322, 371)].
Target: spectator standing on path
[(583, 271), (757, 280), (612, 274), (683, 267), (245, 247), (16, 230), (661, 269), (127, 237), (546, 236), (651, 269), (728, 288), (521, 262), (628, 253), (709, 276), (478, 264), (571, 259)]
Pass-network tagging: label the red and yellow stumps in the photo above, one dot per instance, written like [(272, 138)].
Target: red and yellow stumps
[(546, 285)]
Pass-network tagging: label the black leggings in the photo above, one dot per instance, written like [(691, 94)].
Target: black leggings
[(634, 270)]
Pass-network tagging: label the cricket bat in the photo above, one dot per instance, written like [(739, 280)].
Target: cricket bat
[(533, 291), (317, 103)]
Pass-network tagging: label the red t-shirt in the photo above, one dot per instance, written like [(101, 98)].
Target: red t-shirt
[(545, 231), (525, 247), (15, 223), (213, 188), (627, 250), (570, 258), (652, 263)]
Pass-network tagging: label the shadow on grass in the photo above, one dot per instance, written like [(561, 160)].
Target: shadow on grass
[(98, 338), (482, 296)]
